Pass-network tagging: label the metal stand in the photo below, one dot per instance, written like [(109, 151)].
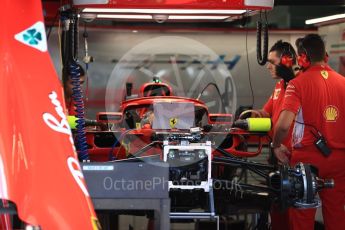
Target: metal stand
[(161, 208), (211, 215)]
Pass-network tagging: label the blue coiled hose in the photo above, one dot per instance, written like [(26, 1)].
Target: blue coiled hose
[(77, 97)]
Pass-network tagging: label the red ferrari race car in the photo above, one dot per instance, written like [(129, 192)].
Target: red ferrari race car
[(208, 154)]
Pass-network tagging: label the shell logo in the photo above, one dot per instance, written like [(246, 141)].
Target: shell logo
[(331, 113)]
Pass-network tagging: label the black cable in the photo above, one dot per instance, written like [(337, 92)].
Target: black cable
[(117, 141), (266, 21), (312, 126), (76, 36), (255, 177), (72, 56), (245, 186), (262, 27), (248, 66), (85, 36), (65, 45), (320, 142), (146, 148), (218, 91), (257, 171), (241, 163)]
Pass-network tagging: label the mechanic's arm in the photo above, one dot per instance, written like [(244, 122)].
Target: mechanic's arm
[(281, 130), (267, 109), (261, 113)]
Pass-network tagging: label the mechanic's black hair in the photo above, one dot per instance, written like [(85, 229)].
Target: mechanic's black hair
[(67, 70), (313, 46), (284, 48)]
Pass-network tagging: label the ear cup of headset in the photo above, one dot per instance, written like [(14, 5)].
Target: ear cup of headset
[(287, 61), (303, 61)]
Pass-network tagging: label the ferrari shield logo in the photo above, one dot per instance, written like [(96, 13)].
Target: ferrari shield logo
[(173, 121), (324, 74), (276, 94)]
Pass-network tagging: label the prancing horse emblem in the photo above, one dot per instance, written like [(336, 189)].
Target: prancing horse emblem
[(173, 121)]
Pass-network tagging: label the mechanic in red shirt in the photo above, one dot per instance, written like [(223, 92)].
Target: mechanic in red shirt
[(68, 86), (314, 102), (281, 60)]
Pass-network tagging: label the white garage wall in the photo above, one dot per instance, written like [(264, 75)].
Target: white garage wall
[(108, 46), (334, 36)]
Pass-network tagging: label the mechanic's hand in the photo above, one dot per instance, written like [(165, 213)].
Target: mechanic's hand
[(284, 72), (282, 154)]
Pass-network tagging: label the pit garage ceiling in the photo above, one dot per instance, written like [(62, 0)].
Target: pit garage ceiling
[(296, 12)]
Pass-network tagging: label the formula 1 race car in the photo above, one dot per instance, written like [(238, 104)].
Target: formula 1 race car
[(207, 154)]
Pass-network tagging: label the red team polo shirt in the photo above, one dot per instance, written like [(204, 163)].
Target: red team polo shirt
[(317, 97), (274, 106), (71, 108)]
